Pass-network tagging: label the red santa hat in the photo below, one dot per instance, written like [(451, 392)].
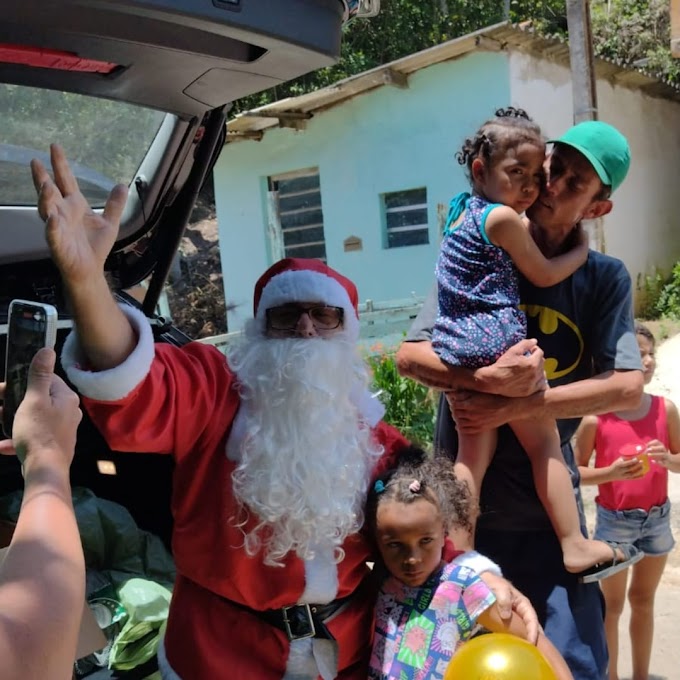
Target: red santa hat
[(303, 280)]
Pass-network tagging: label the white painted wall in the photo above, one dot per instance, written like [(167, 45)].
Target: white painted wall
[(643, 229), (389, 139)]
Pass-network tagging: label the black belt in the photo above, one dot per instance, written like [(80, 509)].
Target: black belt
[(299, 621)]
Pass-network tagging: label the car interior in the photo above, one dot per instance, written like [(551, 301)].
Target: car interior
[(137, 92)]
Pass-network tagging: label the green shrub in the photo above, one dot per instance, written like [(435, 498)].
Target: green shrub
[(409, 406), (668, 304), (648, 295)]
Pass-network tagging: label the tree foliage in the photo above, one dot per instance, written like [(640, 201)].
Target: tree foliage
[(623, 30), (635, 32)]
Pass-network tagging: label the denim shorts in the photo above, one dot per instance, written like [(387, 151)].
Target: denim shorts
[(648, 531)]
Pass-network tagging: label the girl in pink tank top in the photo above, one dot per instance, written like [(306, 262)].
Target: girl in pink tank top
[(634, 451)]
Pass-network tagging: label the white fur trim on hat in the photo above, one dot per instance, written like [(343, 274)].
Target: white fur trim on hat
[(115, 383), (306, 285)]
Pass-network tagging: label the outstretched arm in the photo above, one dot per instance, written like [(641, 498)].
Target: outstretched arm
[(42, 579), (80, 240)]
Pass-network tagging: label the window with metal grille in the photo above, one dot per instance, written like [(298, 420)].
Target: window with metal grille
[(298, 201), (406, 218)]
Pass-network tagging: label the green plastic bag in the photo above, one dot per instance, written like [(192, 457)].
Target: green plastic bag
[(147, 604)]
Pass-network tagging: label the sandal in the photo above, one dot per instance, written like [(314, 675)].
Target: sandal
[(598, 572)]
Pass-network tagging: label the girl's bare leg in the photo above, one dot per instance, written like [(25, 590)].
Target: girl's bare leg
[(614, 591), (474, 455), (541, 441), (643, 584)]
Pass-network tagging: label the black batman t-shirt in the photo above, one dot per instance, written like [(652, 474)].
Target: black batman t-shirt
[(584, 325)]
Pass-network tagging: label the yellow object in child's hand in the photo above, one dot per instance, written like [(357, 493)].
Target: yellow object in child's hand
[(500, 656), (636, 452)]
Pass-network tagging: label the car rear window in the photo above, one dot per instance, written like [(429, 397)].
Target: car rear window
[(106, 140)]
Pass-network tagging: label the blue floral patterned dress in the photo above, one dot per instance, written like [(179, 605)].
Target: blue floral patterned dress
[(478, 284), (418, 630)]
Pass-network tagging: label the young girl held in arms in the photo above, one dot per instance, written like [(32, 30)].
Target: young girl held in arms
[(426, 608), (634, 450), (485, 243)]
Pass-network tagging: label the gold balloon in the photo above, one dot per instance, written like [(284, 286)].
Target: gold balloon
[(498, 656)]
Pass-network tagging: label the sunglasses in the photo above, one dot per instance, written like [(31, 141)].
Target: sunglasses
[(287, 317)]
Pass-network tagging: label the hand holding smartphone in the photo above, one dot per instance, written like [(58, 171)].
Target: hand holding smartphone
[(30, 327)]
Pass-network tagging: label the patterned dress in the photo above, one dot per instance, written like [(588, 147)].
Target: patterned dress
[(418, 630), (478, 286)]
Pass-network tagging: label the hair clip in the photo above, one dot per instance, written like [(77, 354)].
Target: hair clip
[(414, 486), (379, 486)]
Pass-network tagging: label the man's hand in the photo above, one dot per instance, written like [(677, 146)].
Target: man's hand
[(80, 239), (47, 419), (475, 412), (509, 599), (516, 373)]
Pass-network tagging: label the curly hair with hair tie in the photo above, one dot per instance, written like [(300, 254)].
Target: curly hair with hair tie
[(509, 128), (417, 476)]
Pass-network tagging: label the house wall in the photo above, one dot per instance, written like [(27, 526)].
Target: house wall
[(390, 139), (393, 139), (642, 228)]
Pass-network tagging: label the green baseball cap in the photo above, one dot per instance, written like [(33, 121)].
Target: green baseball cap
[(604, 146)]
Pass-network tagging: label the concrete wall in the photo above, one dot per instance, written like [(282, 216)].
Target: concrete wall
[(388, 140), (643, 228)]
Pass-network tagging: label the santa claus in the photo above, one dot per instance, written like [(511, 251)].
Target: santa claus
[(274, 452)]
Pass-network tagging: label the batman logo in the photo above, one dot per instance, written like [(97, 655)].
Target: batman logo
[(558, 337)]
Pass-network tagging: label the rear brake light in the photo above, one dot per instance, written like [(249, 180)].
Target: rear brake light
[(53, 59)]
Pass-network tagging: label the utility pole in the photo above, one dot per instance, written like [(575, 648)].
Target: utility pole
[(675, 28), (583, 85), (582, 61)]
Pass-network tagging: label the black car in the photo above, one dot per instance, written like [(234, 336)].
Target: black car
[(137, 91)]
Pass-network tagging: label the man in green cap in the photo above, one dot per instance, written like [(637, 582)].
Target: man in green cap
[(588, 352)]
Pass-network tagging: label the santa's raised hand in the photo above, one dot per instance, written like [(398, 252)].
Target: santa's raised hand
[(79, 238)]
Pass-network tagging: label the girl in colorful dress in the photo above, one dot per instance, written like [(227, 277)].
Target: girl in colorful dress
[(427, 608), (634, 450), (485, 242)]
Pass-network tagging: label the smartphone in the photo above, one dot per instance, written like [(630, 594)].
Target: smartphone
[(30, 327)]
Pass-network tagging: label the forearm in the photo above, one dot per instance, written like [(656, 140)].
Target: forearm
[(591, 476), (554, 658), (418, 361), (561, 267), (42, 579), (606, 392), (105, 334)]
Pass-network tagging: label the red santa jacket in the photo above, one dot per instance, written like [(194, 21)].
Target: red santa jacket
[(184, 405)]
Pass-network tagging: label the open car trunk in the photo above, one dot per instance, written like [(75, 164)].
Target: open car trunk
[(137, 91)]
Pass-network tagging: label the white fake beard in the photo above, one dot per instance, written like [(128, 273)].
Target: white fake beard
[(307, 456)]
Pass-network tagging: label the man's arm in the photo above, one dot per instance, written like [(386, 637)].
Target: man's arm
[(42, 579), (80, 240), (610, 391), (518, 372)]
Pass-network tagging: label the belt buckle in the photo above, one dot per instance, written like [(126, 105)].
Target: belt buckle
[(300, 625)]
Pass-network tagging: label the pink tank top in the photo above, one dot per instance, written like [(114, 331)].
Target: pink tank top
[(614, 435)]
